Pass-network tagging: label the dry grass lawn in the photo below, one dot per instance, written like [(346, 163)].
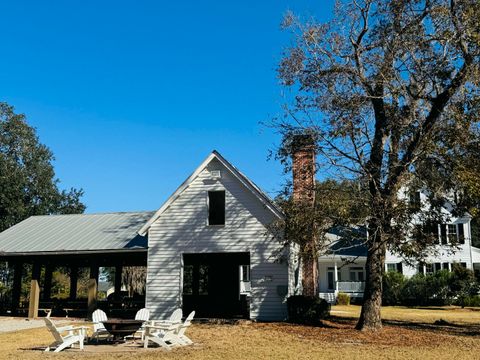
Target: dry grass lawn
[(452, 314), (407, 334)]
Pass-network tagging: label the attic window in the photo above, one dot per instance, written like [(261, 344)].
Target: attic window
[(216, 208)]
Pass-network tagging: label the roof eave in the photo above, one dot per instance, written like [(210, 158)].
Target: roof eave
[(71, 252)]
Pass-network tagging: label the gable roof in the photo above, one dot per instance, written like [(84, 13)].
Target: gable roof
[(250, 185), (75, 233)]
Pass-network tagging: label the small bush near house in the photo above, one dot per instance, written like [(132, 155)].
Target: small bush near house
[(471, 301), (438, 289), (343, 299), (463, 285), (307, 310), (393, 284), (414, 292)]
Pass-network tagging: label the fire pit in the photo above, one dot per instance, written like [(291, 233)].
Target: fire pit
[(120, 328)]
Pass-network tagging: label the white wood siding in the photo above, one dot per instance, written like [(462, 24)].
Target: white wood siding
[(183, 228), (443, 253)]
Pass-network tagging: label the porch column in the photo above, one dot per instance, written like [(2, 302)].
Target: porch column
[(118, 281), (73, 282), (92, 290), (335, 276), (34, 291), (47, 285), (17, 286)]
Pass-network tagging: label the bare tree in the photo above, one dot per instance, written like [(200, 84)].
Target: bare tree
[(378, 83)]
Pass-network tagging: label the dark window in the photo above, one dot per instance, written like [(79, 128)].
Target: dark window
[(445, 266), (216, 208), (415, 202), (245, 272), (188, 280), (420, 269), (400, 268), (452, 233), (331, 277), (429, 268), (461, 234), (330, 280), (438, 266), (356, 274), (203, 280), (443, 233), (430, 232), (464, 265), (391, 267)]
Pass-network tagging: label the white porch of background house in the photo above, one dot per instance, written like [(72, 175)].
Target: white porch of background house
[(344, 282)]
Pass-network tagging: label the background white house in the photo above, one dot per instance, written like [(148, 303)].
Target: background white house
[(343, 269)]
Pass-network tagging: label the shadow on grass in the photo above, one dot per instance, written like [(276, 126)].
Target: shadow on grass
[(440, 326)]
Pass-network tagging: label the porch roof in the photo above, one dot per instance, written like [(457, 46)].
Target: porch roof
[(348, 241), (80, 233)]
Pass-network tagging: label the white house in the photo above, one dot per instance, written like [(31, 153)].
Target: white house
[(209, 249), (206, 249), (343, 270)]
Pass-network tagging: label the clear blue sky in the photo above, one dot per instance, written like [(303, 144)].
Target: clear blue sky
[(132, 95)]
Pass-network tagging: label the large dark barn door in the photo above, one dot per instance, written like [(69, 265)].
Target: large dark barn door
[(211, 284)]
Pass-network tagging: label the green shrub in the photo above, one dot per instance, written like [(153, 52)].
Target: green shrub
[(472, 301), (343, 299), (307, 310), (463, 285), (438, 288), (393, 283), (414, 292)]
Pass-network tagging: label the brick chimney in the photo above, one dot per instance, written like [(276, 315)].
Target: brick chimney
[(303, 169)]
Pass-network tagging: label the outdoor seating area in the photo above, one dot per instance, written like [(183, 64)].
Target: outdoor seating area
[(141, 331), (408, 333)]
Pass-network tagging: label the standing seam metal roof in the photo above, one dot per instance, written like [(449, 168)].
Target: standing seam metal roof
[(81, 232)]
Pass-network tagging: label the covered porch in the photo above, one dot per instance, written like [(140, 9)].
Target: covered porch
[(39, 268), (341, 275), (342, 268), (80, 245)]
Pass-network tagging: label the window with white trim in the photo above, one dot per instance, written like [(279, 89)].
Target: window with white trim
[(391, 267), (452, 233)]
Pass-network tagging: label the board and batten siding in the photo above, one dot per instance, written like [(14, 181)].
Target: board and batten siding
[(182, 228)]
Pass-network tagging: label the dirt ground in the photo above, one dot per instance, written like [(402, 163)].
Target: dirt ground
[(407, 334)]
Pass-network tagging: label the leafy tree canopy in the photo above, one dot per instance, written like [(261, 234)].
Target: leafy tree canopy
[(391, 89), (28, 185)]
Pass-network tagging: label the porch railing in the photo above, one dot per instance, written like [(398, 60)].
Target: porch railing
[(350, 286)]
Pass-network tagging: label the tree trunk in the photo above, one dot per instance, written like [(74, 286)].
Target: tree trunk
[(370, 317), (310, 276)]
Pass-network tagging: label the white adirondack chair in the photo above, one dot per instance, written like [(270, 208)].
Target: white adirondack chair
[(65, 336), (175, 318), (144, 315), (183, 327), (185, 340), (98, 317), (164, 332)]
